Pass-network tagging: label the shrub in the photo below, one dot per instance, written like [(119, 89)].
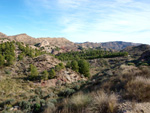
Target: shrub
[(76, 104), (131, 64), (104, 103), (84, 68), (138, 89), (10, 60), (68, 65), (25, 105), (77, 87), (67, 92), (36, 108), (61, 65), (7, 72), (2, 60), (52, 74), (33, 72), (145, 64), (57, 68), (49, 108), (79, 101), (20, 57), (74, 66), (44, 75), (54, 101)]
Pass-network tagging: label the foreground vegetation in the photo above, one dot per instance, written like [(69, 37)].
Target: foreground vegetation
[(116, 81)]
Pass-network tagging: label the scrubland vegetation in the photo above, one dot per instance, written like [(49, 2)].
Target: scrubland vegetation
[(109, 80)]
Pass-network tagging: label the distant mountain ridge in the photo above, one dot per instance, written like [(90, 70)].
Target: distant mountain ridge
[(115, 45), (64, 43), (32, 41), (136, 50)]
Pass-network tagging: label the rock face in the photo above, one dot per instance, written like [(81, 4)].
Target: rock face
[(44, 43), (67, 76)]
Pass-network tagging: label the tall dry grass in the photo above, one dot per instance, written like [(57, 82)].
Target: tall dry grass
[(138, 89), (104, 103), (98, 102)]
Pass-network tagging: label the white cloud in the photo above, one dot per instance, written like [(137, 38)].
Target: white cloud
[(107, 20)]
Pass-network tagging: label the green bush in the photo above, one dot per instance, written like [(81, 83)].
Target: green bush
[(57, 68), (7, 72), (45, 75), (61, 65), (74, 66), (67, 92), (33, 73), (52, 74), (131, 64), (2, 60), (84, 68)]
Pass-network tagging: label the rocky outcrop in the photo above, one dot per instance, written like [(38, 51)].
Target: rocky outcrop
[(67, 76), (44, 43)]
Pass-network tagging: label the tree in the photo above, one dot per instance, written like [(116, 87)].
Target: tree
[(20, 57), (2, 60), (74, 66), (33, 72), (52, 74), (61, 65), (45, 75), (10, 60), (57, 68), (68, 65), (84, 68)]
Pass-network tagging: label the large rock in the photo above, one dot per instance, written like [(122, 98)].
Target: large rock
[(44, 43)]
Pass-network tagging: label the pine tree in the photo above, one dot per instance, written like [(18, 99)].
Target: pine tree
[(10, 60), (52, 74), (61, 65), (84, 68), (2, 60), (74, 66), (33, 72), (68, 65), (57, 68), (45, 75)]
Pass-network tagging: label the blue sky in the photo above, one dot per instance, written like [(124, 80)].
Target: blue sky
[(78, 20)]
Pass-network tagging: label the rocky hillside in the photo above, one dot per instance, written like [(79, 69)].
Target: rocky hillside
[(145, 56), (66, 45), (136, 51), (60, 42), (116, 45)]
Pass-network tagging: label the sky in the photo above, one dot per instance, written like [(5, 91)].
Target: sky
[(78, 20)]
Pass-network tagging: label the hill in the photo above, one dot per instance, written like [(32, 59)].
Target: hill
[(65, 45), (116, 45), (60, 42), (136, 51)]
